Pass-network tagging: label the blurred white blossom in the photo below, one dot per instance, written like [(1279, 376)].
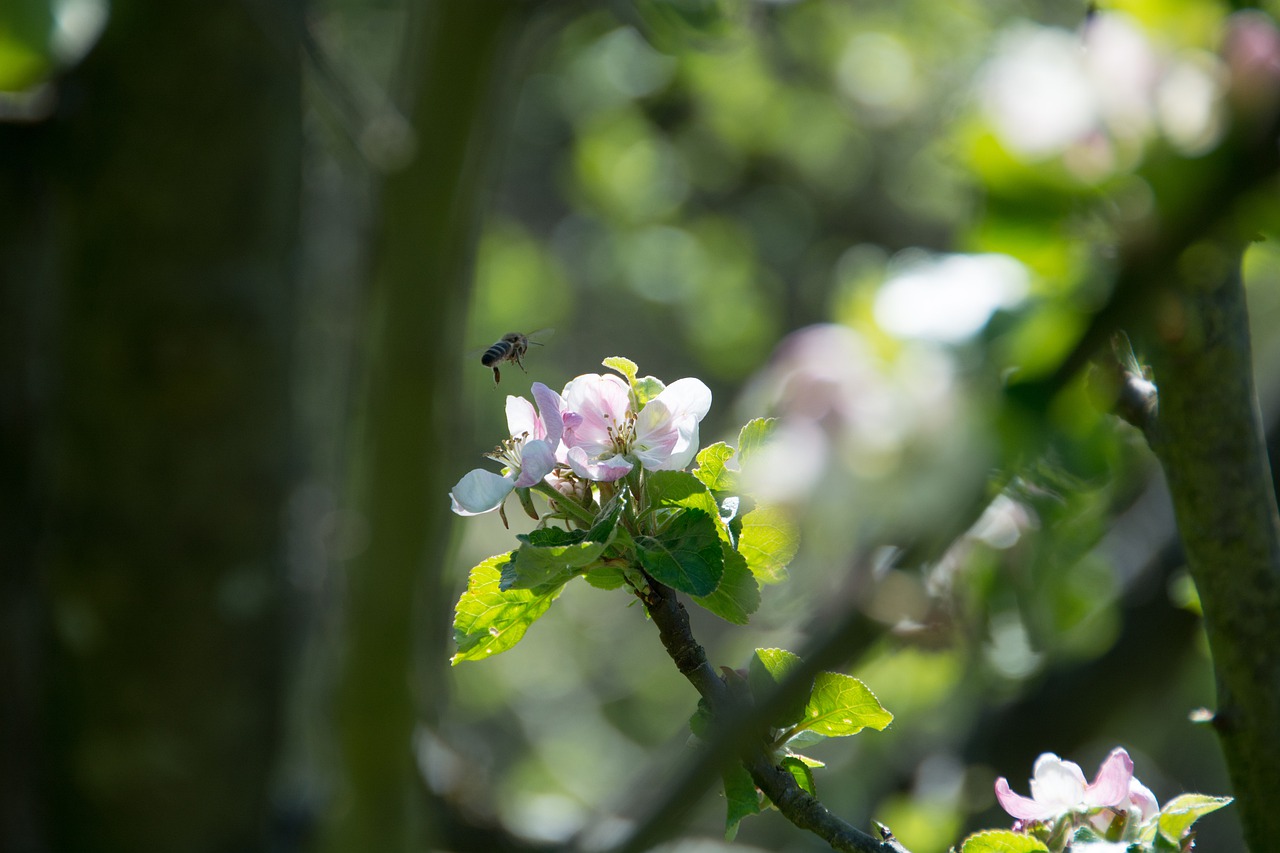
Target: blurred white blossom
[(949, 298), (1097, 97)]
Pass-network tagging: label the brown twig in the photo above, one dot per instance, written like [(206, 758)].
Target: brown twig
[(731, 710)]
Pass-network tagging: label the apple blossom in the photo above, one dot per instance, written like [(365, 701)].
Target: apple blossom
[(1140, 803), (527, 456), (604, 437), (1058, 788)]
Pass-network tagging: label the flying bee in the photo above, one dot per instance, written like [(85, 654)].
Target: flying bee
[(511, 347)]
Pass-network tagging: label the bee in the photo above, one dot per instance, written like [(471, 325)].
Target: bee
[(511, 347)]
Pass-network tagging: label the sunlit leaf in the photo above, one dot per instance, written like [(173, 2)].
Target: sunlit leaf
[(752, 437), (686, 556), (647, 388), (1181, 812), (769, 541), (1002, 841), (841, 705), (625, 366), (801, 773), (711, 468), (807, 761), (488, 619)]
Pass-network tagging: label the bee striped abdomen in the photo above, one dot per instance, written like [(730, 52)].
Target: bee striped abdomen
[(496, 353)]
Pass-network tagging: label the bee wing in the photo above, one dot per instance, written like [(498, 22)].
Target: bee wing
[(540, 336)]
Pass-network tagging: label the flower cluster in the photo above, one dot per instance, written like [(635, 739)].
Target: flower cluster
[(612, 457), (1114, 811), (598, 429)]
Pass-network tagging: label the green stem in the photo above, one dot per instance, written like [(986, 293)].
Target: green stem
[(783, 737)]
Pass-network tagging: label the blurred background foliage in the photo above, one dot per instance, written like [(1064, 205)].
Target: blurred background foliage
[(862, 218)]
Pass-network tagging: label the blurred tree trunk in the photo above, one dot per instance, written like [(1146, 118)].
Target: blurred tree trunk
[(457, 73), (147, 243), (1209, 439)]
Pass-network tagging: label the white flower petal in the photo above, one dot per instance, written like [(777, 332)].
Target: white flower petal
[(688, 396), (1058, 783), (522, 420), (667, 427), (686, 446), (480, 491)]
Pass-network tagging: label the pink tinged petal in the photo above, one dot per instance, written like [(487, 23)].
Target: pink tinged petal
[(657, 436), (1142, 802), (1057, 783), (550, 406), (1019, 806), (655, 454), (1111, 786), (600, 403), (537, 460), (480, 491), (601, 470)]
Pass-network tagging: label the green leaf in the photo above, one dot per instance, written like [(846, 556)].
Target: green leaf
[(605, 527), (526, 501), (752, 437), (605, 577), (808, 762), (711, 468), (625, 366), (741, 797), (488, 619), (678, 488), (686, 556), (25, 53), (549, 555), (700, 722), (769, 540), (1181, 812), (841, 705), (1002, 841), (768, 669), (682, 489), (551, 537), (646, 389), (801, 773), (737, 595)]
